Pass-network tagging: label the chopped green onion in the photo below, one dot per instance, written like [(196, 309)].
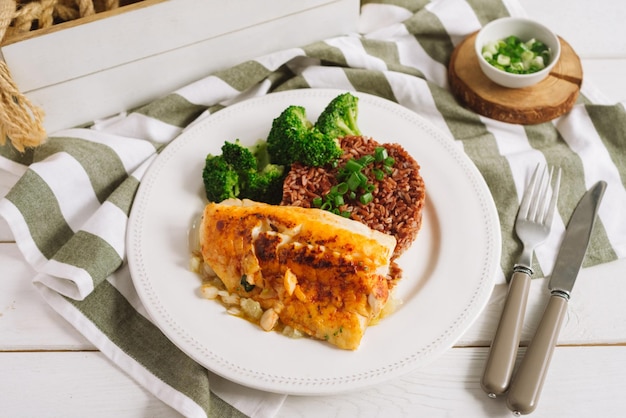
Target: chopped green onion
[(342, 188), (354, 184), (362, 179), (366, 160), (517, 57), (527, 56), (380, 154), (353, 181), (537, 62), (517, 66), (503, 60), (366, 198), (353, 166)]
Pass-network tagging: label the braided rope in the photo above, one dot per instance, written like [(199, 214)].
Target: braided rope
[(21, 122), (38, 14)]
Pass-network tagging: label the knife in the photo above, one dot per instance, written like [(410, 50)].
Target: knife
[(527, 383)]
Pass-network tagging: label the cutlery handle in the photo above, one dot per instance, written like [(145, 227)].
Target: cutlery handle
[(526, 386), (503, 351)]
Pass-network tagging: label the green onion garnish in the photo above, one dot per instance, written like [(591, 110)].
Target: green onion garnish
[(354, 185), (342, 188), (380, 153), (366, 198), (353, 181), (513, 55), (353, 166)]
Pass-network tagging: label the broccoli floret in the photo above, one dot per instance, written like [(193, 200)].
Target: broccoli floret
[(221, 181), (289, 131), (265, 185), (339, 118), (319, 149), (261, 154), (293, 138), (244, 173), (239, 156)]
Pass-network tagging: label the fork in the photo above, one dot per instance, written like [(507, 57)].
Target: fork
[(532, 226)]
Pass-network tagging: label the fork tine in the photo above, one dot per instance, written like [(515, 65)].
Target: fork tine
[(539, 196), (542, 196), (537, 192), (553, 200), (527, 197)]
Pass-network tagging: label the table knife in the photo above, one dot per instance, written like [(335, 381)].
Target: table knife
[(528, 381)]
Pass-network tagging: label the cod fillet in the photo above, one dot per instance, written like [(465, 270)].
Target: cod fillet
[(320, 273)]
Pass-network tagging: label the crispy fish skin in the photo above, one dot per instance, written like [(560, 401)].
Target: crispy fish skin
[(324, 275)]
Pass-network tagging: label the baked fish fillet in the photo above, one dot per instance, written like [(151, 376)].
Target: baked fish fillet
[(320, 273)]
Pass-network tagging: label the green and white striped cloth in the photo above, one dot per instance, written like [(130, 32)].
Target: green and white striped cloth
[(69, 210)]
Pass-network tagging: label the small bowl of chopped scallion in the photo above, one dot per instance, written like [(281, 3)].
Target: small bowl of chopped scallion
[(516, 52)]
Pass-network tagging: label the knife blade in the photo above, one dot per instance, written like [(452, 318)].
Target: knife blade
[(528, 381)]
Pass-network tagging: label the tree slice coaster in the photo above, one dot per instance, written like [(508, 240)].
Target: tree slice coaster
[(542, 102)]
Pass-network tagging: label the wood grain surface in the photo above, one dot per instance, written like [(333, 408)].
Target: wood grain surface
[(542, 102)]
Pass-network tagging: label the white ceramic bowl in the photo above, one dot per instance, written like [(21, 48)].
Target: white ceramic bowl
[(525, 29)]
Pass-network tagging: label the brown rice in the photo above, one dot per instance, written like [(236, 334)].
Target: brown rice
[(398, 198)]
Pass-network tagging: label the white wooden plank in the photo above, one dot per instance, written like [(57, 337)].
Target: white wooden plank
[(607, 77), (598, 295), (26, 320), (112, 41), (581, 382), (104, 93), (594, 29), (72, 384), (597, 33)]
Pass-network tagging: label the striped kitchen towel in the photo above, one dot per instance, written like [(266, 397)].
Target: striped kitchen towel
[(69, 210)]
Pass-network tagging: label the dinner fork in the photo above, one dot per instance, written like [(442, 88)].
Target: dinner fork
[(532, 226)]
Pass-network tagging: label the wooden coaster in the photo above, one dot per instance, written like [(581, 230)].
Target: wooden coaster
[(548, 99)]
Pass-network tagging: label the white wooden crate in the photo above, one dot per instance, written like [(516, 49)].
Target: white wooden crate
[(81, 72)]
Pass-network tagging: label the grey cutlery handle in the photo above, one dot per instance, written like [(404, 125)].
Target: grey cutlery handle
[(503, 351), (528, 382)]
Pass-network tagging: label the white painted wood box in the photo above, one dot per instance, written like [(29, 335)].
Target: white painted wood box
[(122, 60)]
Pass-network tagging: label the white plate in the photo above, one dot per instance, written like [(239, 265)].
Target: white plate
[(449, 270)]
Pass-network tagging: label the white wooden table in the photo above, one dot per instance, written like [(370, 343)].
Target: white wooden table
[(47, 369)]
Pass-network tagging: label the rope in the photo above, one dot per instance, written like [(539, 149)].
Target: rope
[(21, 122), (7, 9)]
